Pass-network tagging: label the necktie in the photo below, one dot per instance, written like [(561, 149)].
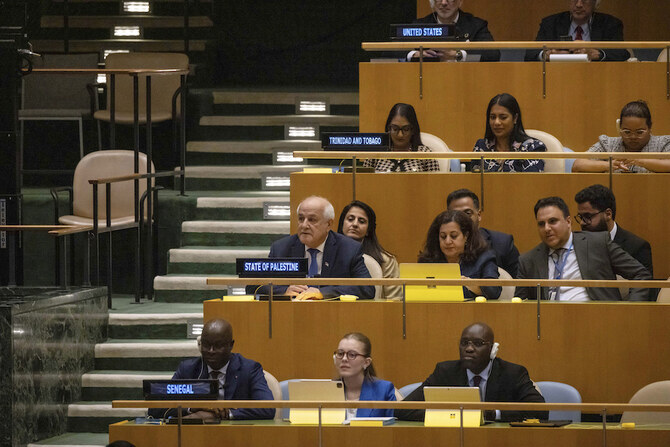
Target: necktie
[(216, 375), (477, 380), (557, 256), (579, 32), (314, 264)]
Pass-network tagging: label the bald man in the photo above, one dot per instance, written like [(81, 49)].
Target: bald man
[(498, 380), (329, 254), (239, 378)]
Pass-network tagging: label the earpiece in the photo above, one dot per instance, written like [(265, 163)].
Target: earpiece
[(494, 350), (334, 359)]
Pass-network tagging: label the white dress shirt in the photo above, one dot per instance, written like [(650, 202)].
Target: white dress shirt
[(570, 271)]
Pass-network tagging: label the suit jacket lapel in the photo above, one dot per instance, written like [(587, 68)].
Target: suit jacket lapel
[(329, 254), (542, 266), (582, 252), (493, 383), (231, 377), (297, 249)]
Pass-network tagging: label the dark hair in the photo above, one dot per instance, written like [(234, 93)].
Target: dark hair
[(407, 112), (370, 373), (599, 196), (461, 193), (552, 201), (120, 444), (370, 244), (475, 244), (638, 109), (510, 103)]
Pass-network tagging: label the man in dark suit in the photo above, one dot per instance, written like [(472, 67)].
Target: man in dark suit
[(580, 255), (329, 254), (581, 22), (596, 207), (507, 255), (239, 378), (468, 28), (498, 380)]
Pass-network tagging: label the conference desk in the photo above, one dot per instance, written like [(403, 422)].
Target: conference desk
[(581, 100), (406, 204), (401, 434), (606, 350)]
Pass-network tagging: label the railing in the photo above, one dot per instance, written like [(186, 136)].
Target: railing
[(481, 156)]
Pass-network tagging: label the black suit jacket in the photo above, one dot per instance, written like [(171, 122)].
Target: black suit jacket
[(508, 382), (507, 255), (342, 258), (598, 258), (474, 29), (603, 27), (635, 246)]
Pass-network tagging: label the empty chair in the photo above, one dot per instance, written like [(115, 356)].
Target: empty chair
[(557, 392), (508, 291), (375, 272), (407, 389), (654, 393), (283, 385), (275, 388), (553, 145), (436, 144), (663, 56)]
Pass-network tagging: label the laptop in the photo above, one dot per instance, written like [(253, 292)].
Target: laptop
[(317, 390), (449, 417), (437, 294)]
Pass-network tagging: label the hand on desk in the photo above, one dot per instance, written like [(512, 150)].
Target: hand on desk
[(208, 413), (442, 55)]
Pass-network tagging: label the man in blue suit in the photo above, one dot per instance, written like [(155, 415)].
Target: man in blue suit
[(329, 254), (507, 255), (239, 378)]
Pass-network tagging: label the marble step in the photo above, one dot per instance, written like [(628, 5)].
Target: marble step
[(228, 233), (240, 207), (280, 97), (187, 288), (279, 120), (83, 439), (210, 260), (251, 147), (115, 385), (150, 325), (234, 178), (143, 354), (95, 417)]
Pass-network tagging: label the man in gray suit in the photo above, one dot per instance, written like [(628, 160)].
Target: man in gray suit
[(579, 255)]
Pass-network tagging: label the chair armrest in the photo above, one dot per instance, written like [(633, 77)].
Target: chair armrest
[(179, 92), (55, 197)]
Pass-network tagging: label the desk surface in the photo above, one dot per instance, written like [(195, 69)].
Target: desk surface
[(279, 434)]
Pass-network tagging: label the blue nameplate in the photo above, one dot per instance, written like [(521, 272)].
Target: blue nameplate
[(423, 32), (355, 141), (271, 267), (180, 389)]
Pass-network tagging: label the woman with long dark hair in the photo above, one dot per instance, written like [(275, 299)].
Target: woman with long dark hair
[(505, 133), (403, 126), (452, 237), (359, 221)]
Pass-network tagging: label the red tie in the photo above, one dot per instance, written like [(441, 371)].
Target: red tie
[(579, 33)]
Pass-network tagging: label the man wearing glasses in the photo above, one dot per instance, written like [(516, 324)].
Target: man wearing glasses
[(579, 255), (239, 378), (596, 206), (468, 29), (581, 22), (497, 380)]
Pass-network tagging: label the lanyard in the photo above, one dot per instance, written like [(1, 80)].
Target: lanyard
[(560, 265)]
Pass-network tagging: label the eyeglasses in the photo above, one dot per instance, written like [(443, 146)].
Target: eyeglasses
[(351, 355), (396, 129), (477, 343), (586, 217), (204, 346), (637, 133)]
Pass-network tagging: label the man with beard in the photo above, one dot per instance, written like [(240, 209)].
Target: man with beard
[(596, 207), (497, 380), (239, 378)]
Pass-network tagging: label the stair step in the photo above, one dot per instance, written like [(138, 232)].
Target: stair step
[(145, 21), (97, 416), (118, 385), (156, 326), (270, 97), (217, 178), (84, 46), (75, 439), (233, 233), (143, 354), (210, 260), (187, 288), (252, 147), (279, 120), (237, 208)]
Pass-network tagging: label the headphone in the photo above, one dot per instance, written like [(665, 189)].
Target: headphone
[(494, 350), (202, 367)]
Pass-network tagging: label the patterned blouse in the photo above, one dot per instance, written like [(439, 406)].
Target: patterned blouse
[(530, 145), (405, 165), (657, 143)]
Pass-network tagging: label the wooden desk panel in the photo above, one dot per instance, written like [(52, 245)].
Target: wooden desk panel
[(406, 204), (606, 350), (583, 100), (400, 435)]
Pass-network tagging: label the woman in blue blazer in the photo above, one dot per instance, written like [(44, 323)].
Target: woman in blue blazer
[(353, 362)]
